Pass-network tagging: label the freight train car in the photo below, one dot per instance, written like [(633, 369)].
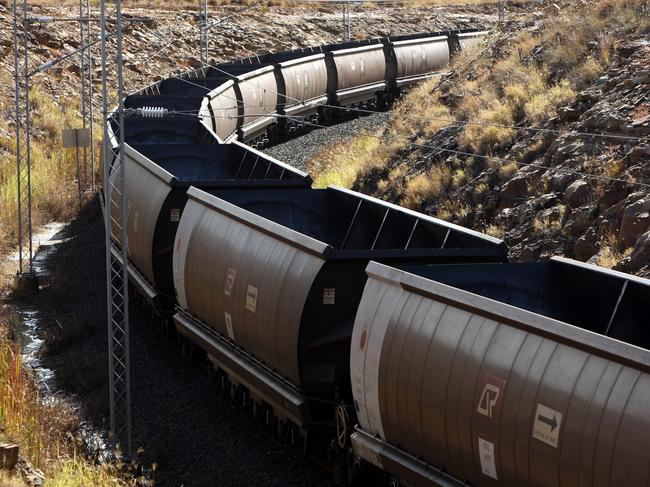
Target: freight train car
[(157, 194), (503, 374), (317, 83), (268, 283)]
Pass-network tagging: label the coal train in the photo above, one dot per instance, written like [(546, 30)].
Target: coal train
[(405, 349), (258, 99)]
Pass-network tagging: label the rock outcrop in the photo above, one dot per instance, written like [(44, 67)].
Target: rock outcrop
[(571, 193)]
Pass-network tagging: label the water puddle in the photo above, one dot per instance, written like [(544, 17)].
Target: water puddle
[(28, 329)]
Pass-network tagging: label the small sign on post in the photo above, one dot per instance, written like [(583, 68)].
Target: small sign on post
[(73, 139)]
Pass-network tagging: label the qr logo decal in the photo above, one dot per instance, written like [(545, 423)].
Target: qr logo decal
[(491, 392)]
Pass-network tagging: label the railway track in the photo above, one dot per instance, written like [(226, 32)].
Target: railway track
[(394, 345)]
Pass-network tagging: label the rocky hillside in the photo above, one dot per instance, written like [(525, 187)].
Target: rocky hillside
[(504, 142)]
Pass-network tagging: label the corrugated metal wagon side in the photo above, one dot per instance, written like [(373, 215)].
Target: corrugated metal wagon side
[(468, 39), (220, 111), (247, 278), (259, 96), (303, 84), (250, 283), (153, 219), (356, 74), (503, 374), (418, 59)]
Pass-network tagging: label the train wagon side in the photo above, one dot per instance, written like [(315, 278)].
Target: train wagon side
[(153, 219), (467, 39), (356, 75), (220, 111), (302, 83), (414, 60), (259, 99), (268, 283), (503, 374)]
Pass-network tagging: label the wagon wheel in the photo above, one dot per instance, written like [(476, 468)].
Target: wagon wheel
[(342, 420)]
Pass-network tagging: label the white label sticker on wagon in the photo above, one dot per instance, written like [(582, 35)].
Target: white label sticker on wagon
[(329, 295), (136, 216), (547, 425), (231, 333), (230, 281), (251, 298), (175, 215), (488, 463)]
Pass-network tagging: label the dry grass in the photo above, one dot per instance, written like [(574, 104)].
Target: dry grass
[(611, 252), (427, 186), (489, 131), (53, 168), (550, 223), (421, 112), (40, 428), (453, 211), (610, 256), (342, 164), (495, 231), (507, 170), (44, 430), (543, 106), (535, 73)]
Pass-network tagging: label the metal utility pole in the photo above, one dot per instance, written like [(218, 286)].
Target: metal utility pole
[(502, 11), (204, 27), (86, 74), (25, 281), (347, 31), (116, 226)]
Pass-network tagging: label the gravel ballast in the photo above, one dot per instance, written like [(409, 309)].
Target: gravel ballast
[(300, 150)]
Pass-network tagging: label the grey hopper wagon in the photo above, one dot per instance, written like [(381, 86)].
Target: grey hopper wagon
[(468, 39), (259, 95), (157, 193), (302, 83), (244, 104), (256, 98), (356, 74), (413, 60), (268, 283), (503, 374)]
